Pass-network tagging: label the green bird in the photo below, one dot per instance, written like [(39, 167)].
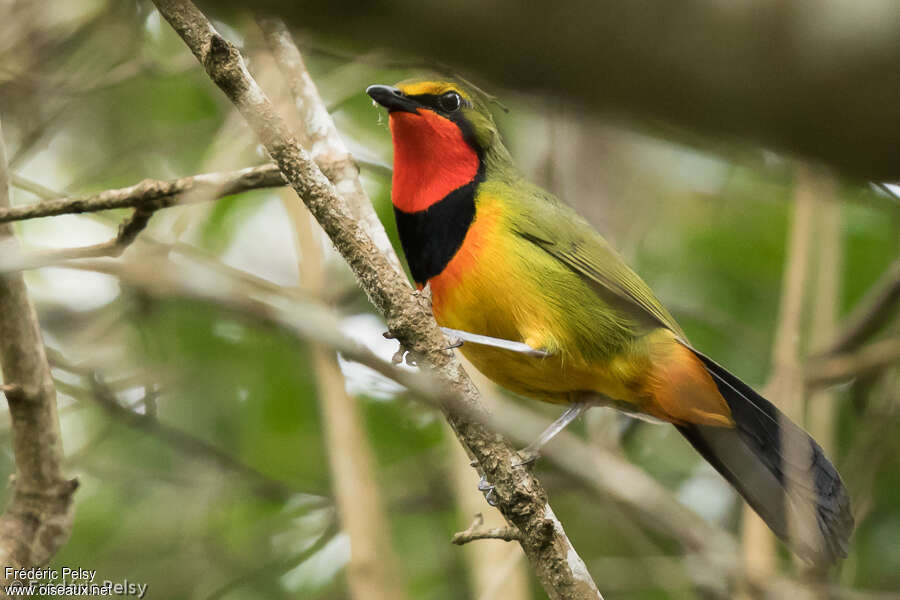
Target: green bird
[(547, 309)]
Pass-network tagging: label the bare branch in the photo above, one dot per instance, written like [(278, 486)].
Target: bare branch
[(149, 196), (23, 183), (38, 518), (152, 194), (522, 499), (146, 197)]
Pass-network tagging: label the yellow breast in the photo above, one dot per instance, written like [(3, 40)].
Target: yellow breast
[(492, 287)]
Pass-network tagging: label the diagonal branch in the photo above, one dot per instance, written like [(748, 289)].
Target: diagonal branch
[(521, 497), (146, 198), (38, 518)]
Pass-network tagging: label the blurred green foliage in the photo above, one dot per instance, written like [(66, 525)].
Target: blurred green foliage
[(260, 523)]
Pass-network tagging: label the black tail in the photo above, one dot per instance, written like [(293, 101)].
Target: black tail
[(779, 470)]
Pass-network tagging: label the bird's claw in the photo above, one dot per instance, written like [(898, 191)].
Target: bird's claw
[(455, 342), (488, 490), (527, 456), (402, 354)]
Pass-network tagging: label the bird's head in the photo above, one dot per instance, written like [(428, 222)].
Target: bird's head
[(443, 134), (435, 107)]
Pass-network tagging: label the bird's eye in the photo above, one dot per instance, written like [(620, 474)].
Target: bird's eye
[(450, 102)]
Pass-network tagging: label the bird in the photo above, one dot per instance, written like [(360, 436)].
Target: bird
[(546, 308)]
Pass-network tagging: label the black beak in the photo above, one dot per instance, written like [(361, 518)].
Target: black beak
[(392, 99)]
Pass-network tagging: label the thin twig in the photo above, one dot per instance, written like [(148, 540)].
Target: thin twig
[(870, 313), (33, 187), (476, 531), (129, 229), (272, 570), (147, 197)]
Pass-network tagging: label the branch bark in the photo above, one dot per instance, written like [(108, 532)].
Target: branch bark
[(522, 499), (821, 405), (494, 569), (38, 518)]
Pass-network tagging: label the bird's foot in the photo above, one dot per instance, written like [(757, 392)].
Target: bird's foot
[(528, 456), (488, 490), (530, 453), (455, 342), (403, 354), (411, 357)]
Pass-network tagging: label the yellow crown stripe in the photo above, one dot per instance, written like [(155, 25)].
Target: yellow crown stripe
[(430, 87)]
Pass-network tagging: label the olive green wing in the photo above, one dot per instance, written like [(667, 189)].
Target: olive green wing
[(560, 232)]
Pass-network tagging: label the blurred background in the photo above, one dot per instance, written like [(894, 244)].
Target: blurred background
[(208, 462)]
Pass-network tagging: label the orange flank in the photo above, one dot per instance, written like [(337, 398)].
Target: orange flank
[(681, 390)]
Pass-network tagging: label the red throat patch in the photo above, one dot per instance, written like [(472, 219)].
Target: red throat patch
[(431, 159)]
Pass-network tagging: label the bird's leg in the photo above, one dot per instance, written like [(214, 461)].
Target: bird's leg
[(532, 451), (460, 337), (402, 354), (455, 342)]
